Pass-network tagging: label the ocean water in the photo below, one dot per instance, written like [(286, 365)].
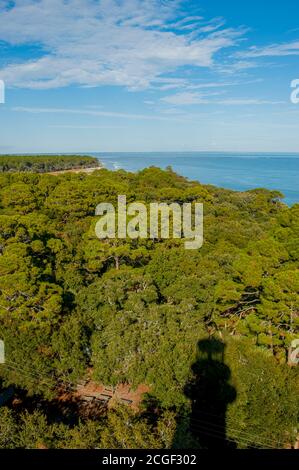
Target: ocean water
[(237, 171)]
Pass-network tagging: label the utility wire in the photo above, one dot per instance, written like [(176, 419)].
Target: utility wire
[(203, 424)]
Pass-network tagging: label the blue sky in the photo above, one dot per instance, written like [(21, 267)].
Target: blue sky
[(154, 75)]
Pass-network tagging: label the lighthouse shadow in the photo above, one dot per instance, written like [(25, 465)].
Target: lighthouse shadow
[(209, 392)]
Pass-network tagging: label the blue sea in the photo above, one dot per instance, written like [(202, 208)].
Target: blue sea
[(237, 171)]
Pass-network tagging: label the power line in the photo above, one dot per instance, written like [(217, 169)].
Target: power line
[(248, 436), (213, 428), (252, 437), (72, 386)]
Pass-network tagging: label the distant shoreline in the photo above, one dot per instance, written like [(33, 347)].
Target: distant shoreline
[(237, 172), (48, 164)]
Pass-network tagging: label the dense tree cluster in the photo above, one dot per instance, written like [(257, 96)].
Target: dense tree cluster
[(119, 428), (136, 311), (43, 163)]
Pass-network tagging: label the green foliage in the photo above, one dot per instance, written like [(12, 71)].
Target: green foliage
[(124, 430), (45, 163), (266, 411), (121, 428), (133, 311)]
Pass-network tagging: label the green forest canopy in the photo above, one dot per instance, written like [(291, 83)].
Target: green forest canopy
[(136, 310), (45, 163)]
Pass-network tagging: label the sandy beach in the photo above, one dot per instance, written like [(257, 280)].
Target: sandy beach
[(75, 170)]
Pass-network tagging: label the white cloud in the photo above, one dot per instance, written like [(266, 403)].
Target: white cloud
[(190, 98), (184, 98), (89, 112), (130, 43), (248, 101), (274, 50), (71, 126)]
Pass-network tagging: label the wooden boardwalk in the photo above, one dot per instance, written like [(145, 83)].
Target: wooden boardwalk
[(123, 393)]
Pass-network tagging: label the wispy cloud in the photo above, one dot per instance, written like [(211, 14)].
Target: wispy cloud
[(248, 102), (185, 98), (129, 43), (70, 126), (190, 98), (273, 50), (167, 115), (90, 112)]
